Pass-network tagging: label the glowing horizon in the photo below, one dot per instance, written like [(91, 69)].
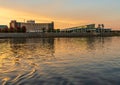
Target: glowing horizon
[(65, 13)]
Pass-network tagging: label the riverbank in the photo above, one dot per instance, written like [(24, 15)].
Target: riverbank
[(54, 35)]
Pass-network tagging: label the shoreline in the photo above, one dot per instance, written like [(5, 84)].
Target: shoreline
[(57, 35)]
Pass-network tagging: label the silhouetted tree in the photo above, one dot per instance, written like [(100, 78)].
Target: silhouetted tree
[(23, 29)]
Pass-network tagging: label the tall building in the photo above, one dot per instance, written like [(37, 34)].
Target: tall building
[(31, 26)]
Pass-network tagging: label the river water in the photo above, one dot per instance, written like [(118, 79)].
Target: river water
[(60, 61)]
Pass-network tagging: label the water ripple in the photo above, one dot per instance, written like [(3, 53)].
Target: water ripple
[(60, 61)]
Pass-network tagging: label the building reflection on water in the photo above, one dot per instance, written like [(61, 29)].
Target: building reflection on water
[(33, 48), (93, 43), (60, 60), (48, 46), (84, 43), (48, 49), (38, 50)]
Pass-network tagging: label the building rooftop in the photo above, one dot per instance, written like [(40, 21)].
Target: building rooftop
[(3, 26)]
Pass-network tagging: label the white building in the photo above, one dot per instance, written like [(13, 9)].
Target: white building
[(31, 26)]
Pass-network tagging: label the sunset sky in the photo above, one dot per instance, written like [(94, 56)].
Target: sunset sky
[(65, 13)]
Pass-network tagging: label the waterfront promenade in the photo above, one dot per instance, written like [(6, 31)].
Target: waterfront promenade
[(54, 35)]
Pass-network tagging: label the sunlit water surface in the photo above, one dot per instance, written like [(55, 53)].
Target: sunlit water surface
[(60, 61)]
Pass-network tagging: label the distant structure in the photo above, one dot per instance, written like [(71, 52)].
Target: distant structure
[(87, 29), (31, 26), (3, 27), (101, 26)]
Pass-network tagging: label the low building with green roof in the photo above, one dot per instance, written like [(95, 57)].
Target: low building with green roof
[(3, 26)]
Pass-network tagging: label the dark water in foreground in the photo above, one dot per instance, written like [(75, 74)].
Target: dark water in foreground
[(60, 61)]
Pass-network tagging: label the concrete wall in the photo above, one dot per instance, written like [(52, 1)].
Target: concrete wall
[(47, 35)]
